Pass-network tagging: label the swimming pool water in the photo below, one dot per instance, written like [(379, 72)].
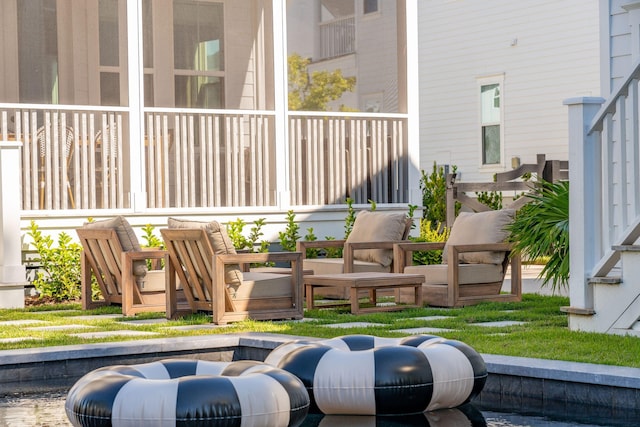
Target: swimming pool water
[(46, 409)]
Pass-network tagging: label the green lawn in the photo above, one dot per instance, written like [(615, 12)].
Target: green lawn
[(544, 333)]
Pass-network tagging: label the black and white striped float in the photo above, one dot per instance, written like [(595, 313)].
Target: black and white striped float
[(180, 392), (461, 416), (367, 375)]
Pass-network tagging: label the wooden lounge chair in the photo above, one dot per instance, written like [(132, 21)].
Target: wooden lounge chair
[(204, 272), (475, 261), (369, 248), (120, 271)]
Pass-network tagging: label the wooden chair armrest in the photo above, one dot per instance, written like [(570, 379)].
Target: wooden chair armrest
[(303, 245), (402, 252), (388, 244), (259, 257), (483, 247), (145, 254)]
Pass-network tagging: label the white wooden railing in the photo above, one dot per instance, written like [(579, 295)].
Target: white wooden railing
[(337, 37), (604, 152), (344, 156), (198, 158), (70, 155), (79, 157)]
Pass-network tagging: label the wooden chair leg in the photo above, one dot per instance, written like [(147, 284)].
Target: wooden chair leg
[(85, 283)]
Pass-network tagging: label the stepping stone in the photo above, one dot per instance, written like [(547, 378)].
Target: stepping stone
[(18, 339), (142, 322), (197, 327), (123, 333), (21, 322), (499, 324), (430, 318), (60, 327), (98, 317), (425, 330), (353, 325)]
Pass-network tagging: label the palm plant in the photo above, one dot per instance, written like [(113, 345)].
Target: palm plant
[(541, 229)]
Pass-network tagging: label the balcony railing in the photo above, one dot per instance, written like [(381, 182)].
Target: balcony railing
[(337, 37), (80, 158)]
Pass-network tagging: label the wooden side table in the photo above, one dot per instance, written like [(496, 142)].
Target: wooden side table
[(370, 281)]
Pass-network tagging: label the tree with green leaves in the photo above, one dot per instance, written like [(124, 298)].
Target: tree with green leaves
[(313, 91)]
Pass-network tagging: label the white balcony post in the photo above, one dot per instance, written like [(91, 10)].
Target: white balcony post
[(413, 103), (138, 197), (585, 210), (281, 98), (12, 272)]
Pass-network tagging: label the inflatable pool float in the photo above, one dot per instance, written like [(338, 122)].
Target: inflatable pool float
[(466, 415), (188, 393), (367, 375)]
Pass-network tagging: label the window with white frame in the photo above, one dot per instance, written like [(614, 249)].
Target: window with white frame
[(370, 6), (491, 121)]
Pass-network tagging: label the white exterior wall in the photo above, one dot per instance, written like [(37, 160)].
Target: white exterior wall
[(546, 51), (617, 43)]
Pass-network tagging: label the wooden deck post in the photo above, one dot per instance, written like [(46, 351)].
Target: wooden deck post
[(585, 208)]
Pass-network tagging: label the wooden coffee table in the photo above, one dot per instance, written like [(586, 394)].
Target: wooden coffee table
[(371, 282)]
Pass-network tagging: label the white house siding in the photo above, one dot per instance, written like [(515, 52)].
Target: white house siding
[(546, 52), (616, 29)]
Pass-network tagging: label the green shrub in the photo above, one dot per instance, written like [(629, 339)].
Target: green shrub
[(434, 194), (311, 237), (59, 274), (150, 238), (430, 232), (252, 243), (350, 219), (290, 236), (541, 229), (493, 199)]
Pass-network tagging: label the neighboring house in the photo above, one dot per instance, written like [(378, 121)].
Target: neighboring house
[(493, 78)]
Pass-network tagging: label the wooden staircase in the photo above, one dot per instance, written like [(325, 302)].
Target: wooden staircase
[(604, 219)]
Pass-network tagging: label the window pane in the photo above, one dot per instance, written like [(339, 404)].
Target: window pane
[(490, 103), (199, 92), (38, 51), (147, 34), (491, 145), (370, 6), (108, 29), (198, 36), (148, 90), (110, 89)]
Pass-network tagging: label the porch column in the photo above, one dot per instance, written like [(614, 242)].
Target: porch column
[(138, 197), (12, 272), (413, 102), (585, 210), (283, 188)]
